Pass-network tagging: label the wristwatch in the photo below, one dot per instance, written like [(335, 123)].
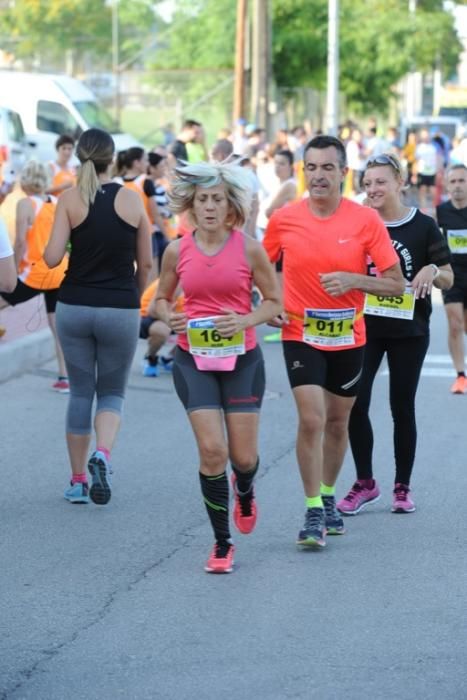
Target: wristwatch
[(436, 270)]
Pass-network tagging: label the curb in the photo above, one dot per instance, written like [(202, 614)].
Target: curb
[(25, 353)]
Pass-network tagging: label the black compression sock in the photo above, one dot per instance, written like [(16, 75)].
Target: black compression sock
[(215, 490), (245, 479)]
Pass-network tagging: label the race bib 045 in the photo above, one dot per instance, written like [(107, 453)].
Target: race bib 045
[(401, 306)]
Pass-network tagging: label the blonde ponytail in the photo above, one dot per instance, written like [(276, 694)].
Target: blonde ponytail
[(88, 182), (95, 151)]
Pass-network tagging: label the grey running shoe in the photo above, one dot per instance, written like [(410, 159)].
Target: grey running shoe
[(99, 492), (334, 521), (314, 529)]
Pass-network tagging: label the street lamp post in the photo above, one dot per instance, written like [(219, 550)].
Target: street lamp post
[(333, 68)]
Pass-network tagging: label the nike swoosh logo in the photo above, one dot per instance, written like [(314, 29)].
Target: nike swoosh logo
[(344, 240)]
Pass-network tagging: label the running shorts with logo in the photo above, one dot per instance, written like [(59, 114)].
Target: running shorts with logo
[(338, 372), (238, 391)]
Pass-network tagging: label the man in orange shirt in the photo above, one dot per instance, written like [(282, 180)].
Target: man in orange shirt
[(326, 241)]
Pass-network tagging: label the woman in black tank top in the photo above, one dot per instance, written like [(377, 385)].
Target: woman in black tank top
[(98, 308)]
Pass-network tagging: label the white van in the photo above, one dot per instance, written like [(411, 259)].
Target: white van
[(51, 105), (13, 146)]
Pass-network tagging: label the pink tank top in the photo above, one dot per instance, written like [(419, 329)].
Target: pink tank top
[(211, 283)]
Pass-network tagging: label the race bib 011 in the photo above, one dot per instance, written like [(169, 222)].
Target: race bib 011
[(329, 327)]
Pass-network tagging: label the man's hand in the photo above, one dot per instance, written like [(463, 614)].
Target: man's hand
[(337, 283)]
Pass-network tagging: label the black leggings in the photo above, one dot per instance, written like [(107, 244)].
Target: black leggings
[(405, 359)]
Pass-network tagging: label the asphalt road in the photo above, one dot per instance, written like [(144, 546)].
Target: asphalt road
[(112, 602)]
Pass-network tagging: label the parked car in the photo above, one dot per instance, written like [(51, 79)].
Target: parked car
[(450, 126), (51, 105), (13, 144)]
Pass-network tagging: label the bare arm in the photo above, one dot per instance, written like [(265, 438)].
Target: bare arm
[(61, 229), (157, 217), (286, 194), (8, 276), (168, 282), (427, 278), (143, 250), (24, 221), (390, 283), (250, 224)]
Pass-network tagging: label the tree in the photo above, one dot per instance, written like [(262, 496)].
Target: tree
[(379, 43), (47, 29)]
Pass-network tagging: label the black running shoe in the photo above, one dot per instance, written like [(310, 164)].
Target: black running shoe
[(333, 519), (314, 529)]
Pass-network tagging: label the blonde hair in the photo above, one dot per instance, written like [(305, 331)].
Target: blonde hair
[(95, 151), (35, 177), (188, 177)]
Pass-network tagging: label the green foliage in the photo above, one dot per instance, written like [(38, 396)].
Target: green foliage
[(48, 28), (380, 41), (202, 36)]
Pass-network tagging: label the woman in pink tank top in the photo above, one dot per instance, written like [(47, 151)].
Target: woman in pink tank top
[(218, 367)]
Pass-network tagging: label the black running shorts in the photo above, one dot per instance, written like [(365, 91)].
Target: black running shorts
[(22, 293), (337, 371), (458, 292), (238, 391)]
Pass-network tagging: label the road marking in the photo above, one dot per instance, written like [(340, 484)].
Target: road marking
[(435, 371)]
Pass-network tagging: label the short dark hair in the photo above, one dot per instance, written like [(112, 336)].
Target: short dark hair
[(324, 141), (64, 139), (190, 123), (155, 158), (128, 157), (455, 166), (285, 153)]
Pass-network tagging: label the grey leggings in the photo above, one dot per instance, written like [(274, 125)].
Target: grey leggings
[(98, 345)]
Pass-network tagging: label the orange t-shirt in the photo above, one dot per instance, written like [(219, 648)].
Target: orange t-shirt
[(60, 176), (32, 269), (147, 296), (312, 246), (137, 185)]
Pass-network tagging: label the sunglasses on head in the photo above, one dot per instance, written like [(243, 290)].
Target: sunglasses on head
[(384, 159)]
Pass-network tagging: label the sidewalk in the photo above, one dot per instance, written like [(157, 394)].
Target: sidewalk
[(28, 341)]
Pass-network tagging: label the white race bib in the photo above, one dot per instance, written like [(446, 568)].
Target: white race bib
[(401, 306), (329, 327), (206, 341)]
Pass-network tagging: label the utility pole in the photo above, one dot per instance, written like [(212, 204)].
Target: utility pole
[(239, 84), (333, 68), (116, 62), (260, 63)]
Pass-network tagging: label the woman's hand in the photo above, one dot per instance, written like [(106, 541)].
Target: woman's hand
[(422, 283), (177, 321), (231, 323)]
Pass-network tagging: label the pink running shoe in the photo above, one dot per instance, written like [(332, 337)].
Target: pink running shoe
[(402, 502), (360, 495), (245, 511), (221, 559)]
